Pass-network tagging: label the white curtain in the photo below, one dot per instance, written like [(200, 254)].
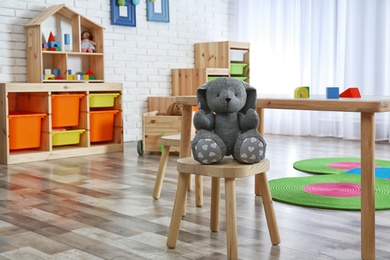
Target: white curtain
[(320, 44)]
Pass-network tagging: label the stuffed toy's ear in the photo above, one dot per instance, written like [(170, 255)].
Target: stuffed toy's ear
[(251, 96), (201, 97)]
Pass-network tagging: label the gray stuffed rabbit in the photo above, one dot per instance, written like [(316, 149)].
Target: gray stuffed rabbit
[(227, 123)]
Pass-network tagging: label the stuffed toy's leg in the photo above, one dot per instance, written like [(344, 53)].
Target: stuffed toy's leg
[(250, 147), (207, 147)]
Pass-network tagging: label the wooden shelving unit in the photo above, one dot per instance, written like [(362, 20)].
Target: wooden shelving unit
[(187, 81), (36, 97), (212, 59), (38, 60), (97, 134), (222, 54)]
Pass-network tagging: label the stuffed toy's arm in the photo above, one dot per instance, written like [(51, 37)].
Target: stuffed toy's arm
[(248, 121), (203, 120)]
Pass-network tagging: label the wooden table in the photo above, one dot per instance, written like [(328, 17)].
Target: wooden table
[(367, 107)]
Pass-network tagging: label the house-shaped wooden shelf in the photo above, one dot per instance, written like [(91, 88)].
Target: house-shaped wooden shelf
[(60, 20)]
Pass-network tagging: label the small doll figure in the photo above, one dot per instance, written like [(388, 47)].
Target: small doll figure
[(87, 43)]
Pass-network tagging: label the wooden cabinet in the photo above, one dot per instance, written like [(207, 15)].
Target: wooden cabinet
[(38, 98), (212, 59), (223, 55), (60, 20), (185, 82)]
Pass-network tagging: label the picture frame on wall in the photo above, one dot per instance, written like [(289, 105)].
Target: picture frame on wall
[(158, 10), (123, 13)]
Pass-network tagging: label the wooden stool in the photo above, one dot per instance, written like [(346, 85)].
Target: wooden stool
[(172, 141), (167, 141), (229, 169)]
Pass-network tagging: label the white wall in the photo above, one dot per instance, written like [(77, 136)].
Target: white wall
[(140, 57)]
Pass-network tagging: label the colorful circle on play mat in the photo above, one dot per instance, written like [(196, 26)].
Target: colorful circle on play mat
[(344, 165), (333, 165), (347, 165), (291, 190), (383, 172), (334, 189)]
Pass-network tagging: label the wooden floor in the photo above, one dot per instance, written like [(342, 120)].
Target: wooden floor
[(101, 207)]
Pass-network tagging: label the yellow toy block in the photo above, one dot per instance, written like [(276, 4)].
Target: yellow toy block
[(49, 76), (302, 92)]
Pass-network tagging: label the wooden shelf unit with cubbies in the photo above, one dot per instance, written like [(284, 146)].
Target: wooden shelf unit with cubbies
[(37, 98), (212, 59), (186, 81), (60, 19), (224, 55)]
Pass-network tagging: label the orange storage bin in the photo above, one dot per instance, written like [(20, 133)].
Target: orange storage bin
[(25, 130), (65, 109), (102, 125)]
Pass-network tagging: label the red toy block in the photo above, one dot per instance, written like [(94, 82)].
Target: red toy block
[(51, 38), (351, 93)]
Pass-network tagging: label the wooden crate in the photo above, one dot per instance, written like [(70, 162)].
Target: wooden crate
[(154, 126)]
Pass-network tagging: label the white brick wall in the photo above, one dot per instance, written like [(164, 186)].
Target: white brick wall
[(140, 57)]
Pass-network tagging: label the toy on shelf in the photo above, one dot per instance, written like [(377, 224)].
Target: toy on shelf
[(351, 93), (69, 75), (87, 43), (49, 75), (53, 45), (332, 92), (90, 75), (67, 42), (302, 92), (80, 75)]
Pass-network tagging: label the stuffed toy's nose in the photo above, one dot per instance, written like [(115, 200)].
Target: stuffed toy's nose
[(228, 99)]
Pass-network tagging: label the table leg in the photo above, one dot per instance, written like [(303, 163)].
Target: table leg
[(260, 128), (368, 185)]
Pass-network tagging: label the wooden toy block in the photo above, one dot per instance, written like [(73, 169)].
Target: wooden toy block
[(351, 93), (302, 92), (51, 37), (54, 45), (56, 72), (332, 93), (49, 76)]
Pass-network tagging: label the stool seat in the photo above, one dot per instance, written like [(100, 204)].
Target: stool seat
[(228, 169), (171, 140)]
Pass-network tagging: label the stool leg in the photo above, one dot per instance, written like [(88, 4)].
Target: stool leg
[(161, 172), (199, 190), (214, 208), (257, 186), (178, 207), (269, 208), (231, 219)]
